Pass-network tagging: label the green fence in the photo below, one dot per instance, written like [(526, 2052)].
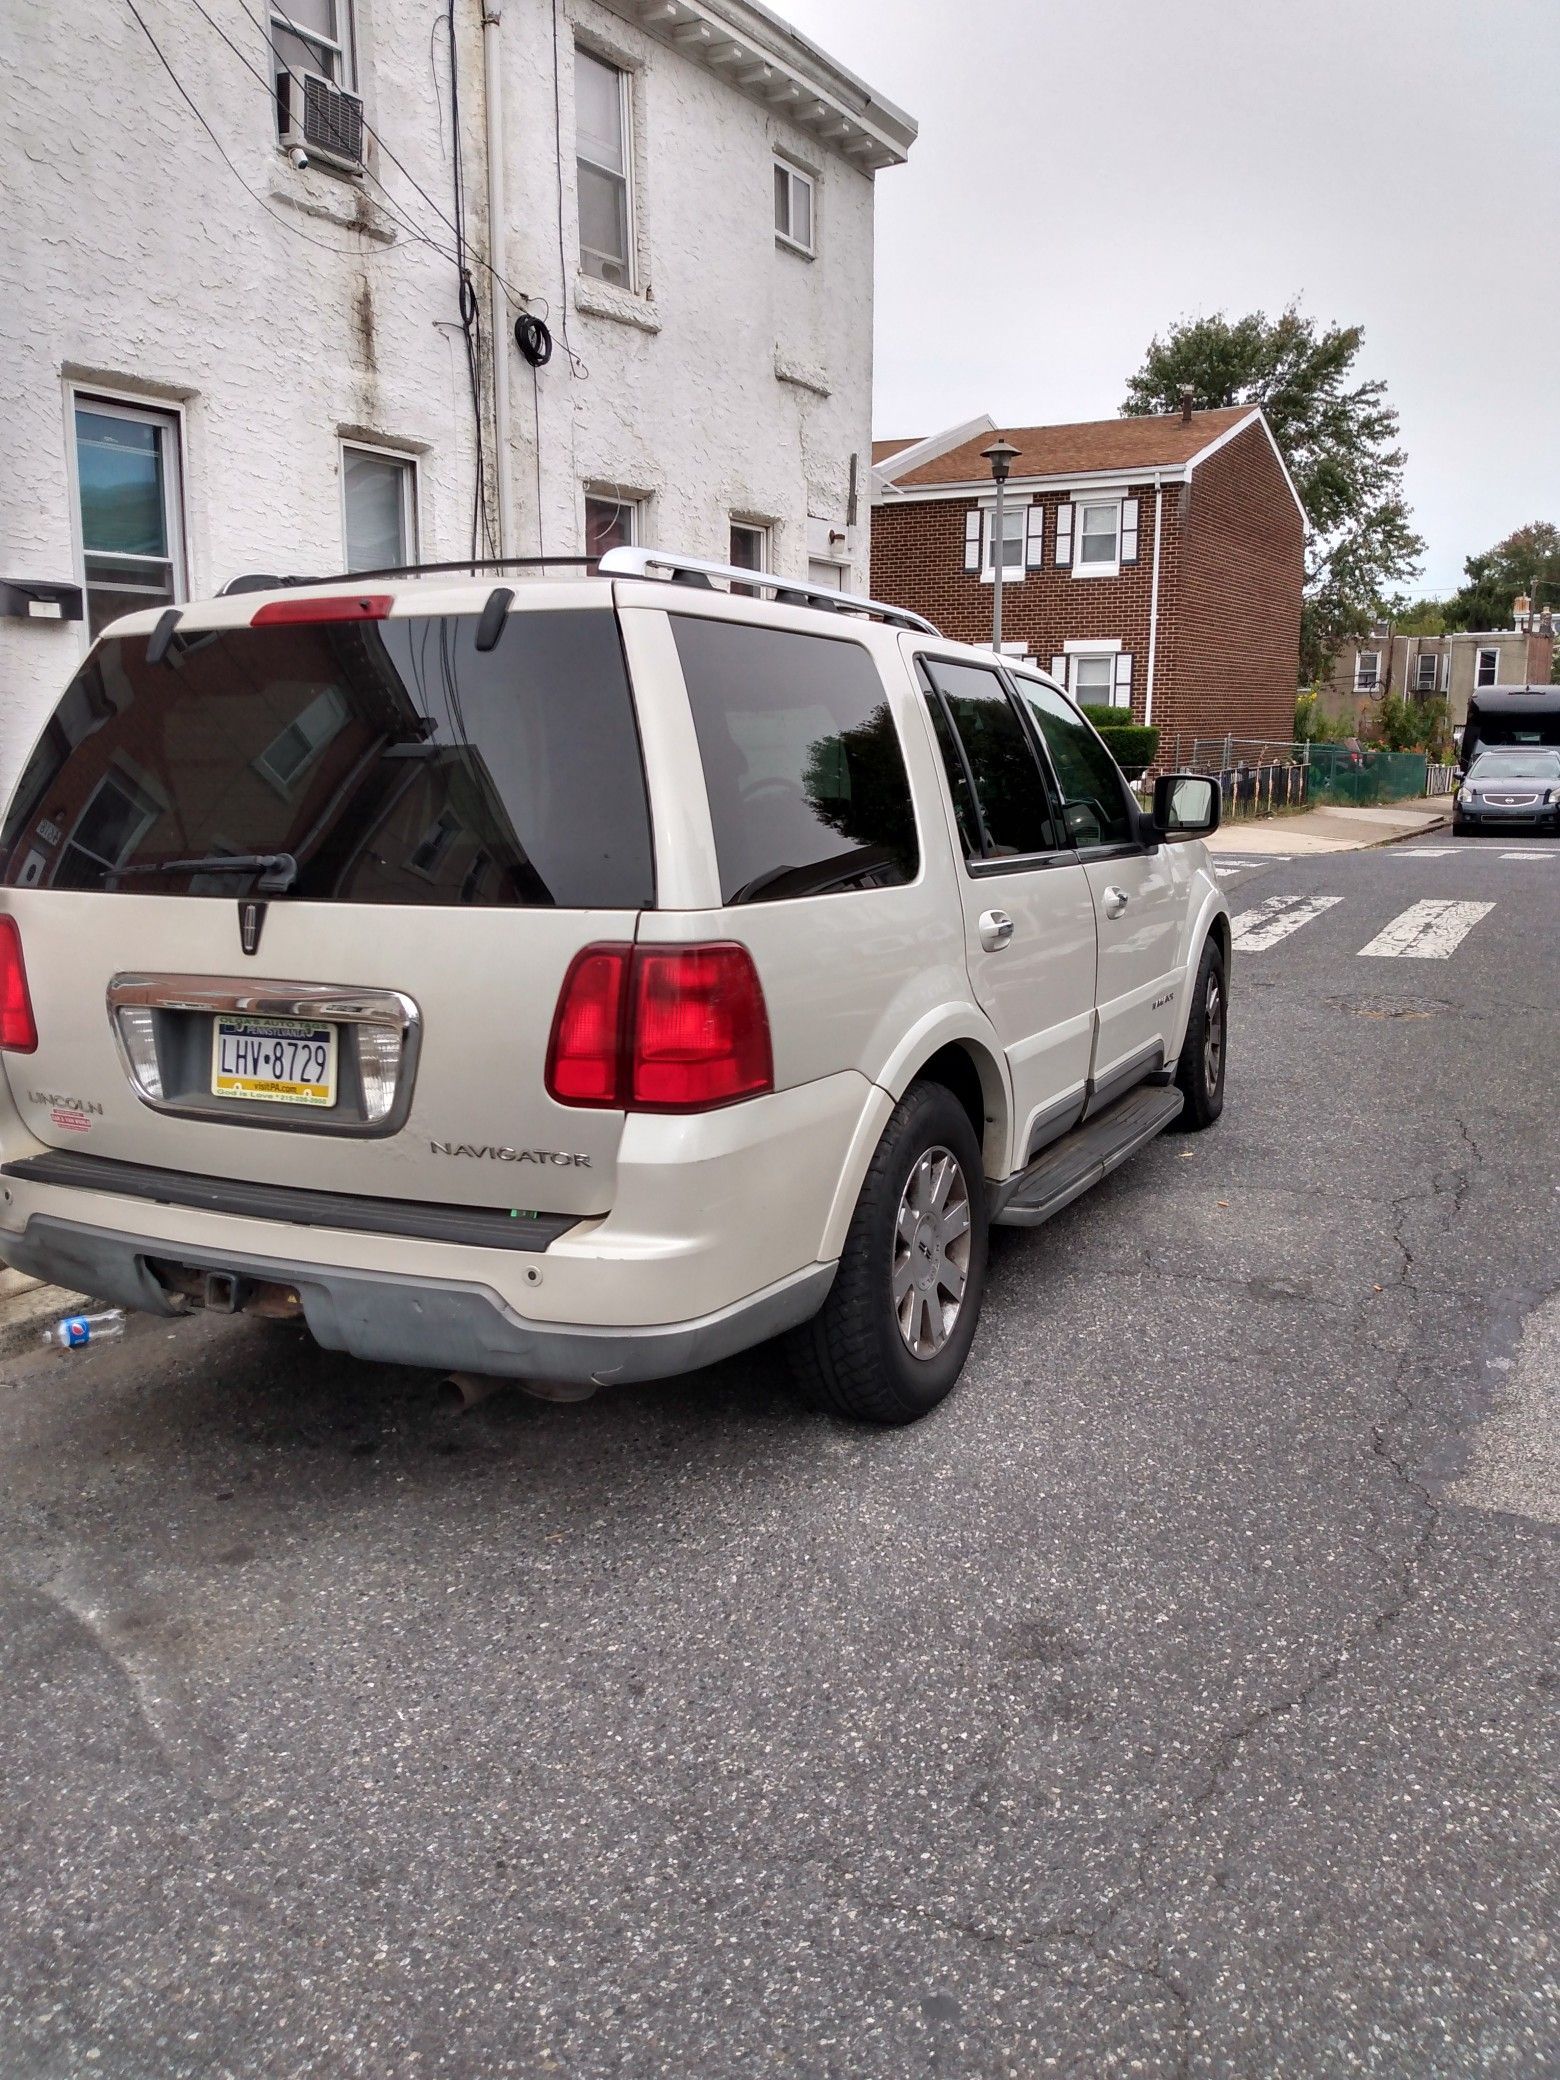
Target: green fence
[(1339, 775)]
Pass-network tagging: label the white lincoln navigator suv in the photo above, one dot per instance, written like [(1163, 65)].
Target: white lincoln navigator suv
[(581, 979)]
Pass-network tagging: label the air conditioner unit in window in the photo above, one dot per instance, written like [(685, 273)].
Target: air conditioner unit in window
[(322, 117)]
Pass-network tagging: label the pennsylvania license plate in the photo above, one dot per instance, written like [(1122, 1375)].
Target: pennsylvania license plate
[(285, 1061)]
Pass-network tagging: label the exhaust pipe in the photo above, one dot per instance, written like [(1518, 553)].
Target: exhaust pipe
[(462, 1390)]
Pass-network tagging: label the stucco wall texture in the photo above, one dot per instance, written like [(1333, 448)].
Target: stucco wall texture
[(735, 381)]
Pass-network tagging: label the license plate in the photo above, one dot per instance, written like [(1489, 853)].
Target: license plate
[(283, 1061)]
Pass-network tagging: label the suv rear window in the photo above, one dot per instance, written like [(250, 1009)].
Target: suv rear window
[(802, 763), (392, 760)]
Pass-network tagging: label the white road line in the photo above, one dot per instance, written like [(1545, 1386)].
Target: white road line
[(1427, 931), (1530, 855), (1254, 931), (1424, 851)]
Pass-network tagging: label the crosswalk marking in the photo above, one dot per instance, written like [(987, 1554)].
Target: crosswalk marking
[(1424, 851), (1530, 855), (1254, 931), (1427, 931)]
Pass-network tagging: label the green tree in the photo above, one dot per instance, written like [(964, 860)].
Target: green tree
[(1526, 561), (1418, 617), (1339, 436)]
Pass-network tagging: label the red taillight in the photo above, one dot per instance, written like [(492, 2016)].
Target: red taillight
[(585, 1053), (18, 1029), (660, 1029), (352, 606), (699, 1028)]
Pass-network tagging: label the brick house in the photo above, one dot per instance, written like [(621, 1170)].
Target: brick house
[(1154, 564)]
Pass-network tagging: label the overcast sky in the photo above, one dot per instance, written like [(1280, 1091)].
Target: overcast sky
[(1090, 170)]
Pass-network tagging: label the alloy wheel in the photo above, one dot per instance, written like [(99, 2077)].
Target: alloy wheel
[(932, 1237), (1213, 1035)]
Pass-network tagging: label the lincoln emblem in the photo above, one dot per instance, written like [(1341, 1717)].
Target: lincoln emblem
[(251, 922)]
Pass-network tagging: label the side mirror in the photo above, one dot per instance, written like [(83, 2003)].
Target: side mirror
[(1186, 805)]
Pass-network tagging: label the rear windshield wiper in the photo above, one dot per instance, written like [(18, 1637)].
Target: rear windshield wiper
[(277, 870)]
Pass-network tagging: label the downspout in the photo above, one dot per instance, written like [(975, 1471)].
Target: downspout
[(1153, 607), (498, 323)]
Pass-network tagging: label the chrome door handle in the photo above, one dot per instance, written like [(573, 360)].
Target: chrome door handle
[(996, 928), (1115, 901)]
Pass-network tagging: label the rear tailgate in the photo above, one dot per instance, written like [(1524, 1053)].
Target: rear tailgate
[(443, 829)]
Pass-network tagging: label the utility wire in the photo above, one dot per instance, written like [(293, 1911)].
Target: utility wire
[(297, 230), (268, 88)]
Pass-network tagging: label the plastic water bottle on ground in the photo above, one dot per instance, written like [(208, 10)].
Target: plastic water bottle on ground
[(74, 1331)]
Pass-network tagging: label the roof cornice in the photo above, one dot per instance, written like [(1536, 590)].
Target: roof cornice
[(1071, 480), (781, 70)]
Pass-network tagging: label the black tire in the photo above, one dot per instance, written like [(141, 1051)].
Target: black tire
[(1460, 827), (1199, 1075), (853, 1358)]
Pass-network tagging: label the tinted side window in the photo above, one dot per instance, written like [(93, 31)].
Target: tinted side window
[(802, 762), (1010, 789), (1095, 801)]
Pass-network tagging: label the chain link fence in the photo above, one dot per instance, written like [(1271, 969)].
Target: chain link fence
[(1263, 776)]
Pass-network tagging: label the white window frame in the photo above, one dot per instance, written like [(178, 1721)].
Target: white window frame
[(625, 80), (1421, 685), (760, 530), (342, 46), (410, 490), (1362, 684), (1014, 514), (1094, 653), (1101, 567), (1479, 679), (632, 503), (169, 418), (784, 235)]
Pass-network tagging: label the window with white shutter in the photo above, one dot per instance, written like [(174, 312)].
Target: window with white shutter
[(1059, 669), (1064, 533), (972, 539), (1129, 530), (1121, 693), (1034, 537)]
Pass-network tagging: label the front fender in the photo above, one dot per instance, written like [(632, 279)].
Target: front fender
[(1208, 902)]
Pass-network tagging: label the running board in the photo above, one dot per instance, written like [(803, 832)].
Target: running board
[(1069, 1166)]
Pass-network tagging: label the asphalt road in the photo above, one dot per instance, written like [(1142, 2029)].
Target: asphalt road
[(1181, 1698)]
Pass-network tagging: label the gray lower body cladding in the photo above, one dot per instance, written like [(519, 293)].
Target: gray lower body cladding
[(438, 1323)]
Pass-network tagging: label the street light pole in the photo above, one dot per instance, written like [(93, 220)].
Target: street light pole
[(1000, 455)]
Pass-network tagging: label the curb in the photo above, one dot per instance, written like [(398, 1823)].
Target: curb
[(27, 1305)]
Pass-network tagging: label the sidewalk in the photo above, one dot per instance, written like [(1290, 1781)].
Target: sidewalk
[(27, 1306), (1330, 830)]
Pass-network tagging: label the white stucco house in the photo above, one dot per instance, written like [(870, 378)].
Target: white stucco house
[(235, 334)]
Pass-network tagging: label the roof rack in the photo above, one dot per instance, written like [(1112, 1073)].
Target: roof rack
[(264, 581), (620, 563), (788, 592)]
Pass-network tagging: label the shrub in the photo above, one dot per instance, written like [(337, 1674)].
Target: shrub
[(1133, 745)]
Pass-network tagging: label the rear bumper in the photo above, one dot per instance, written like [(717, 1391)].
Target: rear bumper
[(444, 1324)]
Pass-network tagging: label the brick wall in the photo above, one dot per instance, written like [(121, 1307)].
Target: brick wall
[(1233, 662), (1230, 574), (918, 562)]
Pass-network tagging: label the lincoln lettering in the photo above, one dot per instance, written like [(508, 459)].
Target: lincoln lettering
[(556, 1156)]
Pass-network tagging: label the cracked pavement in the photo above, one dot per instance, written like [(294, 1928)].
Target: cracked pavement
[(1179, 1700)]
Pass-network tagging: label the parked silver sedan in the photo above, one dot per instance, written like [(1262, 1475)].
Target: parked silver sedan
[(1513, 783)]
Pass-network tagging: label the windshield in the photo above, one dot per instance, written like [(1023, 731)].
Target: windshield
[(366, 762), (1516, 765)]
